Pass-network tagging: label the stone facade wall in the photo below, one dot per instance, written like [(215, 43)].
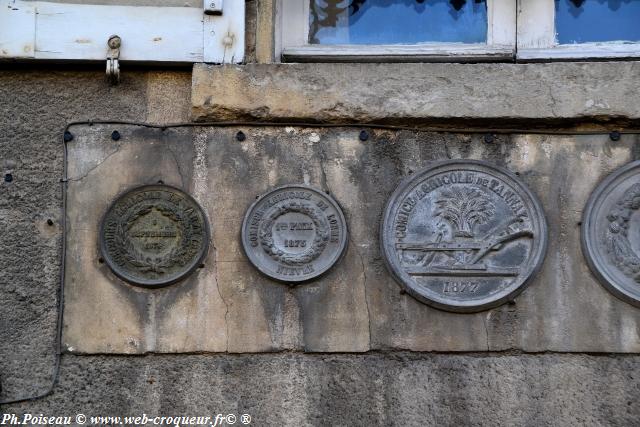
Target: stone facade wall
[(348, 348), (35, 105)]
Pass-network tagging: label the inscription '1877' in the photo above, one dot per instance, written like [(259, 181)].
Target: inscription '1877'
[(463, 235), (455, 287)]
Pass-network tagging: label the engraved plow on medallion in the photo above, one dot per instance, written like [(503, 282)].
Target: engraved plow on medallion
[(463, 235), (294, 233), (154, 235), (611, 230)]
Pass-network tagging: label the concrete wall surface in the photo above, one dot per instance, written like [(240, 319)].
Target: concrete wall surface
[(35, 105), (376, 389)]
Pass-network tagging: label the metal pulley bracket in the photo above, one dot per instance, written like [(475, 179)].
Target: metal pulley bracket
[(113, 56)]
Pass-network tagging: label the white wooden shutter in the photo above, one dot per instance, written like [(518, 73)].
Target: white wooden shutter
[(65, 31)]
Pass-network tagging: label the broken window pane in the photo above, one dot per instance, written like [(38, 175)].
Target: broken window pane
[(397, 21), (582, 21)]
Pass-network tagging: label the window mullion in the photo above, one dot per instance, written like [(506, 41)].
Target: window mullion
[(536, 26), (502, 23)]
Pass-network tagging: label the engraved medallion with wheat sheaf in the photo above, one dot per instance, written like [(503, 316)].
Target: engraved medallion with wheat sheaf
[(463, 235)]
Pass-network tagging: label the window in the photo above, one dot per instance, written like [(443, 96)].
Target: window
[(585, 21), (576, 29), (396, 30), (408, 22), (179, 32), (456, 30)]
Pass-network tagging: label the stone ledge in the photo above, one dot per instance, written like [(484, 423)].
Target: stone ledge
[(388, 93)]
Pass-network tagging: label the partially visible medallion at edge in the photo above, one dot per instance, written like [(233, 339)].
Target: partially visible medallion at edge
[(154, 235), (463, 235), (611, 232), (294, 233)]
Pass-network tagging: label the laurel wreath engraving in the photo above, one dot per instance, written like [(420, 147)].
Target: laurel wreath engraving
[(143, 262), (315, 249), (618, 245)]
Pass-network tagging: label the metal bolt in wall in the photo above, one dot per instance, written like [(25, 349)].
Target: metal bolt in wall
[(615, 135)]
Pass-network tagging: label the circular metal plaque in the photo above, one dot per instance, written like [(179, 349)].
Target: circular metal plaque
[(154, 235), (611, 233), (294, 233), (463, 235)]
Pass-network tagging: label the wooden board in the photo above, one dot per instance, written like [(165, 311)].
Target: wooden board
[(226, 27), (63, 31), (17, 29)]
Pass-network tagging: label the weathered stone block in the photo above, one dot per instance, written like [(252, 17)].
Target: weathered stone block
[(374, 389), (405, 93), (357, 306)]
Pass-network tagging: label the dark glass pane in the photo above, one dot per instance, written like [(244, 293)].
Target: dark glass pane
[(397, 21), (581, 21)]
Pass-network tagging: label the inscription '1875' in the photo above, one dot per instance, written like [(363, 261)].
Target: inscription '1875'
[(294, 233)]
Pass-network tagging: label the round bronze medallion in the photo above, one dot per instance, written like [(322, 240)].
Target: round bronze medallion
[(463, 235), (154, 235), (611, 233), (294, 233)]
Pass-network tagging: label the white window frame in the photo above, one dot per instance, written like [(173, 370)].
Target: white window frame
[(292, 32), (40, 30), (537, 38)]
